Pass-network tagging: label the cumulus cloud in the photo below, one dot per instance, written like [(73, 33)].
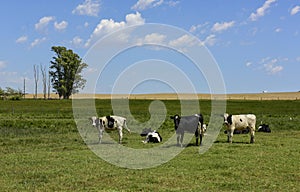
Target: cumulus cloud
[(43, 23), (22, 39), (210, 40), (189, 41), (107, 26), (153, 38), (260, 12), (77, 41), (37, 42), (201, 28), (145, 4), (89, 8), (185, 40), (60, 26), (271, 65), (218, 27), (295, 10)]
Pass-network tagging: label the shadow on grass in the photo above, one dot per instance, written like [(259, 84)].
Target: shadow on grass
[(233, 142)]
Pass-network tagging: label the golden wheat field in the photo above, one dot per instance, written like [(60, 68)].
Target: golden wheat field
[(174, 96)]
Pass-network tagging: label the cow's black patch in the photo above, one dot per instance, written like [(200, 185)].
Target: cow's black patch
[(229, 119), (110, 121)]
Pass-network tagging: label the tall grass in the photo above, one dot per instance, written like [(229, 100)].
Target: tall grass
[(41, 150)]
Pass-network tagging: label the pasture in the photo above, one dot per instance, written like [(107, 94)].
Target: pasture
[(41, 150)]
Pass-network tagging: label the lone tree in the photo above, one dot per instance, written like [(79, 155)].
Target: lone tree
[(65, 71)]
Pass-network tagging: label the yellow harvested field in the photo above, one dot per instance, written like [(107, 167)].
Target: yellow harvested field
[(173, 96)]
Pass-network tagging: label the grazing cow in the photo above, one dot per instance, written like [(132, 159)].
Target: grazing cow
[(240, 122), (264, 128), (191, 124), (110, 123), (153, 137)]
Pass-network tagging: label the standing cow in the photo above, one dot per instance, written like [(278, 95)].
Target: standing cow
[(191, 124), (110, 123), (239, 122)]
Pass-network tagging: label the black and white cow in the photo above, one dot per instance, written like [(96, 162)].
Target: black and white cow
[(239, 122), (153, 137), (110, 123), (191, 124), (264, 128)]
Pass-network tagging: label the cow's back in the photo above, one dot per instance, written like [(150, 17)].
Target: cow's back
[(188, 124), (244, 120)]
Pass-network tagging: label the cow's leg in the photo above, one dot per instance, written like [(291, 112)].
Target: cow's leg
[(252, 132), (178, 138), (120, 134), (100, 135), (201, 136), (181, 139), (197, 136), (230, 135)]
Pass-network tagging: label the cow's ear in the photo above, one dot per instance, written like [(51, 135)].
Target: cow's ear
[(171, 117)]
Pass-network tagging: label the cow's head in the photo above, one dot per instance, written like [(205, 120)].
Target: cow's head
[(176, 119), (93, 120), (227, 119)]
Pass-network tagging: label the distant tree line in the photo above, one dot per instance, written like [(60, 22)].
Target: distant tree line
[(10, 93)]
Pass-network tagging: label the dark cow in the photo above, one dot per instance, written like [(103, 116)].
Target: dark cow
[(264, 128), (190, 124)]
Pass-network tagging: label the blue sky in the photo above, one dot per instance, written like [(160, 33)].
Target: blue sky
[(255, 43)]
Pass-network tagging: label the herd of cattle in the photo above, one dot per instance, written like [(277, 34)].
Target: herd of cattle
[(235, 124)]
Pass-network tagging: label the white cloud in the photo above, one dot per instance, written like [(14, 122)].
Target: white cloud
[(261, 10), (43, 23), (107, 26), (248, 64), (89, 8), (2, 64), (271, 65), (201, 28), (295, 10), (210, 40), (189, 41), (22, 39), (277, 30), (77, 41), (153, 38), (60, 26), (183, 41), (218, 27), (37, 42), (172, 3), (145, 4)]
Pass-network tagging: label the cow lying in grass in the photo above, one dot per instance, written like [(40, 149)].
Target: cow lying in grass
[(110, 123), (239, 122), (153, 137), (191, 124), (264, 128)]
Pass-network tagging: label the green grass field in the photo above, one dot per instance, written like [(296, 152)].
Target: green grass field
[(41, 150)]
